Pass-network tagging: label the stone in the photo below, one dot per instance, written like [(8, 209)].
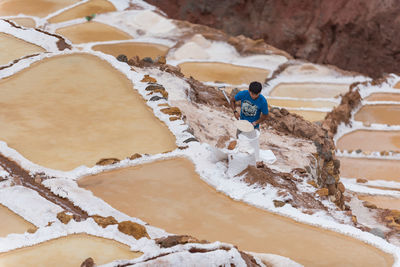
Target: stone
[(89, 262), (148, 60), (172, 111), (173, 240), (38, 179), (323, 192), (331, 189), (148, 79), (104, 221), (156, 98), (388, 219), (312, 183), (394, 225), (135, 156), (32, 230), (191, 139), (107, 161), (358, 151), (354, 219), (161, 60), (122, 58), (162, 92), (341, 187), (232, 145), (369, 205), (174, 118), (378, 232), (64, 217), (361, 180), (278, 203), (133, 229)]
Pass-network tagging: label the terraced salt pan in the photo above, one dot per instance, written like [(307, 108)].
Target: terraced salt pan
[(288, 103), (83, 10), (25, 22), (92, 32), (309, 90), (383, 202), (370, 141), (309, 115), (223, 72), (133, 49), (39, 8), (177, 200), (383, 97), (11, 223), (371, 169), (12, 48), (73, 110), (68, 251), (383, 114), (397, 86)]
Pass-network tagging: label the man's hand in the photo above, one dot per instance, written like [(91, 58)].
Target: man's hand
[(237, 116), (254, 123)]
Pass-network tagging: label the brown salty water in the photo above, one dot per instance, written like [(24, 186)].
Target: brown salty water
[(71, 110), (12, 48), (370, 141), (133, 49), (92, 32), (170, 194), (68, 251), (309, 90), (12, 223), (384, 114), (86, 9), (40, 8), (223, 72)]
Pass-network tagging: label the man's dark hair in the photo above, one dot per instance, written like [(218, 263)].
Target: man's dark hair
[(255, 87)]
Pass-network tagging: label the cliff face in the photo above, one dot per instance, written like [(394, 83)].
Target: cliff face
[(357, 35)]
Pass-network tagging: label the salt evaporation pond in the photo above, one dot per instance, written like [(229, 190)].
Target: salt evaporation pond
[(177, 200), (309, 90), (132, 49), (12, 48), (71, 110), (11, 223), (68, 251), (383, 97), (367, 140), (39, 8), (383, 114), (85, 9), (371, 169), (24, 22), (92, 32), (223, 72)]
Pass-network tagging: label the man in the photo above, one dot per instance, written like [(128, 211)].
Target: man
[(253, 107)]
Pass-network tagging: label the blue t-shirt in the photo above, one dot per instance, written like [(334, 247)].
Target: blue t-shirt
[(251, 108)]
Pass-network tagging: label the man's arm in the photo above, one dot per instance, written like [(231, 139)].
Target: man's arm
[(262, 118), (233, 106)]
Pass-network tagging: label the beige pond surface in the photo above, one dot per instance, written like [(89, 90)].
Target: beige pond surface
[(223, 72), (309, 90), (75, 109), (170, 194), (68, 251), (40, 8), (92, 32), (371, 169), (12, 48), (25, 22), (397, 85), (83, 10), (383, 97), (309, 115), (383, 202), (384, 114), (12, 223), (370, 141), (133, 49), (301, 104)]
